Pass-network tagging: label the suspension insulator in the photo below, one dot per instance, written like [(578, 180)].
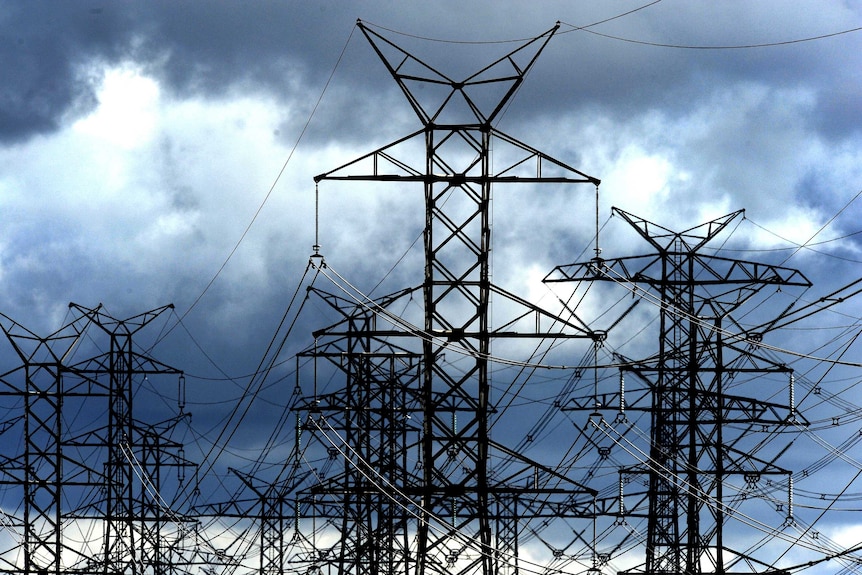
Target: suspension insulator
[(622, 392), (792, 394), (181, 393)]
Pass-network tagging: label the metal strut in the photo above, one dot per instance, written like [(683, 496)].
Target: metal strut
[(692, 453), (455, 478)]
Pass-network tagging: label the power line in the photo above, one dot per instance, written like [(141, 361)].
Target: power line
[(713, 47), (230, 427), (824, 226), (367, 303), (271, 188), (506, 41)]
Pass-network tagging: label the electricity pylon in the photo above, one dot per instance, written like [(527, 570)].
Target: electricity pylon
[(39, 471), (133, 520), (466, 516), (83, 452), (699, 429), (368, 431)]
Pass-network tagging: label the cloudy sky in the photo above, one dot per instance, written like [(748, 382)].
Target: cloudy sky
[(164, 152)]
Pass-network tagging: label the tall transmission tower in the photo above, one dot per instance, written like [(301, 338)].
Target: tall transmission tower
[(105, 468), (699, 427), (371, 426), (127, 546), (39, 469), (465, 512)]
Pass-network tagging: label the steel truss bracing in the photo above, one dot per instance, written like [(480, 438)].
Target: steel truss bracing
[(371, 427), (464, 514), (64, 462), (39, 470), (132, 537), (696, 445), (275, 514)]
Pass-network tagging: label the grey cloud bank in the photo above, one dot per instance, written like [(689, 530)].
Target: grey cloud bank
[(138, 140)]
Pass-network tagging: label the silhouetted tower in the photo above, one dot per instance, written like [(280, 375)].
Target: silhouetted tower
[(368, 430), (82, 451), (696, 444), (159, 461), (460, 505), (126, 544), (274, 509), (38, 385)]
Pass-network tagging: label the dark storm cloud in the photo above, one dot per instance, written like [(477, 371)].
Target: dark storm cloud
[(210, 49), (44, 48), (218, 50), (609, 75), (54, 55), (677, 135), (50, 51)]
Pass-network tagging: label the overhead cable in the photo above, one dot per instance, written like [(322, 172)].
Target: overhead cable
[(271, 188), (506, 41), (714, 47)]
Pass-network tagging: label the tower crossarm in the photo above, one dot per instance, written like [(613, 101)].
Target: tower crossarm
[(114, 326), (538, 468), (661, 237), (51, 349), (515, 161), (505, 73), (526, 309), (741, 462), (736, 409), (646, 269)]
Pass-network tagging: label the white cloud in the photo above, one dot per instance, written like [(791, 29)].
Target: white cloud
[(142, 199), (151, 187), (639, 181), (128, 109)]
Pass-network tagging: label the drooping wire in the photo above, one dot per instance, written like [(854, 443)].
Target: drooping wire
[(398, 497), (794, 246), (715, 47), (654, 300), (271, 188), (366, 303), (645, 459), (824, 226), (253, 388), (507, 41)]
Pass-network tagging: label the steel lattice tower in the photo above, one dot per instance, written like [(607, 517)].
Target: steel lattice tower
[(694, 449), (482, 513), (375, 415), (132, 535), (121, 364), (84, 472), (39, 470), (275, 513)]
